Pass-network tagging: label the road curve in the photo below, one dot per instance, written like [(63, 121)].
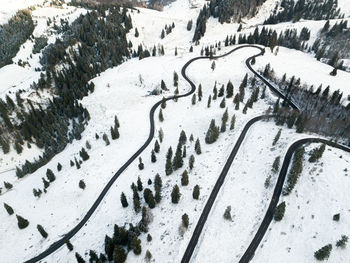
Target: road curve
[(249, 253), (205, 213), (56, 245)]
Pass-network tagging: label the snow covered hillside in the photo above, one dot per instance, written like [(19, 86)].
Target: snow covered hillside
[(118, 123)]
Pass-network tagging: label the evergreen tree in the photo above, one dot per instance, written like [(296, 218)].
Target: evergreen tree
[(245, 108), (200, 92), (83, 154), (42, 231), (182, 138), (156, 146), (227, 214), (136, 245), (9, 209), (191, 162), (317, 153), (141, 165), (233, 121), (162, 85), (105, 138), (79, 258), (277, 137), (175, 194), (193, 99), (279, 212), (221, 91), (342, 242), (139, 184), (153, 157), (215, 92), (229, 90), (163, 105), (160, 116), (237, 100), (148, 256), (323, 253), (119, 254), (276, 164), (184, 178), (197, 147), (160, 135), (69, 245), (178, 161), (149, 237), (22, 222), (189, 25), (46, 183), (136, 32), (59, 167), (223, 103), (18, 147), (162, 35), (176, 79), (157, 181), (185, 220), (213, 66), (136, 202), (8, 185), (123, 200), (212, 133), (209, 101), (224, 121), (196, 191), (50, 175), (82, 184)]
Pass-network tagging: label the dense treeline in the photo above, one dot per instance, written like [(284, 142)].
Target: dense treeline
[(322, 112), (290, 10), (14, 34), (226, 11), (99, 40)]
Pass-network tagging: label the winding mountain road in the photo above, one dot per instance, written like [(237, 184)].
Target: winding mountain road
[(59, 243)]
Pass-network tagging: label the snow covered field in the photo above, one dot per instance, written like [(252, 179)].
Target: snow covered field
[(124, 91)]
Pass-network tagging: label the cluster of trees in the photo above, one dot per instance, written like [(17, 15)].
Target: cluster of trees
[(294, 171), (39, 44), (331, 46), (167, 30), (13, 34), (317, 153), (290, 10), (322, 112), (325, 251), (279, 212), (102, 44)]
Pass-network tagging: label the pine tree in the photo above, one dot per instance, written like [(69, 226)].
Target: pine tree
[(175, 51), (221, 91), (119, 254), (237, 100), (148, 256), (276, 107), (9, 209), (276, 164), (79, 258), (82, 184), (191, 162), (227, 214), (233, 121), (342, 242), (42, 231), (136, 32), (277, 137), (162, 85), (197, 147), (136, 202), (163, 105), (168, 167), (69, 245), (196, 191), (224, 121), (209, 101), (175, 194), (22, 222), (245, 108), (193, 99), (18, 147), (185, 220), (229, 90), (162, 35), (59, 167), (157, 181), (71, 163), (153, 157), (105, 138), (279, 213), (178, 161), (200, 92), (141, 165), (184, 178), (46, 183), (213, 66), (323, 253), (8, 185), (123, 200), (160, 135), (156, 146), (223, 103), (160, 116), (136, 245), (139, 184), (215, 92), (50, 175), (212, 133)]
